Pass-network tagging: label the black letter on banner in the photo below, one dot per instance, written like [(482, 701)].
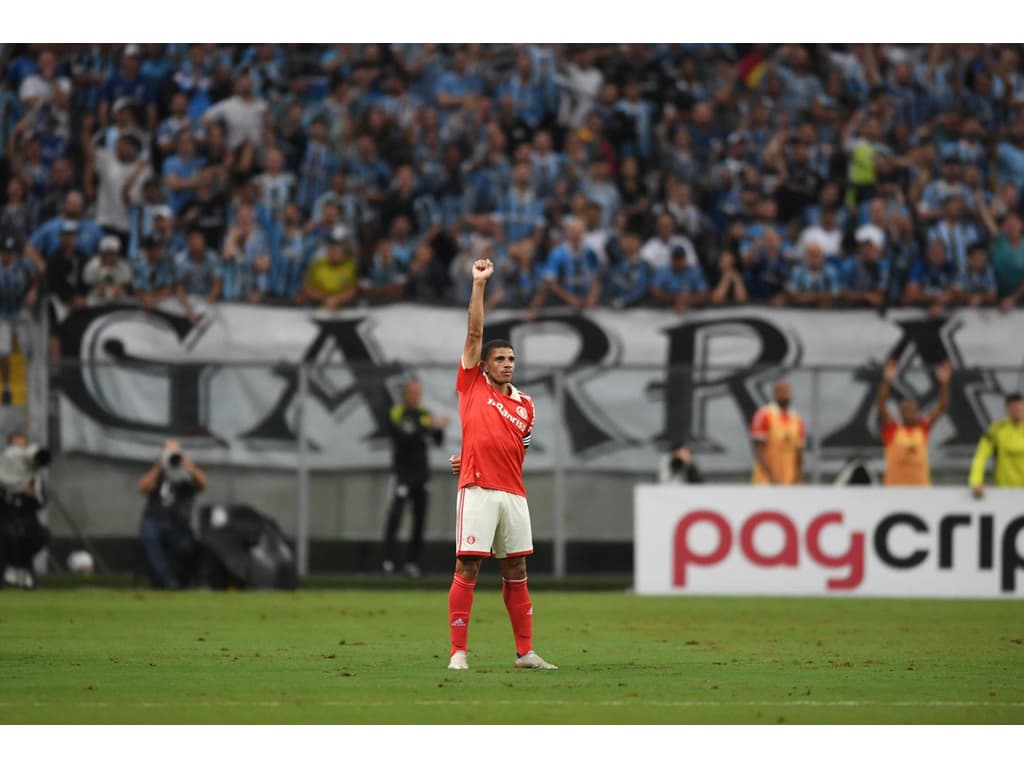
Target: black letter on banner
[(946, 526), (1012, 559), (985, 543), (882, 540), (183, 379), (925, 336), (369, 383), (584, 432), (684, 395)]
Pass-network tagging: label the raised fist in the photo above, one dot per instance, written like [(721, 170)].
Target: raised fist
[(482, 269), (891, 369)]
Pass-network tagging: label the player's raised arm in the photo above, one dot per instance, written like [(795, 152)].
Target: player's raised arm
[(888, 374), (482, 270), (944, 372)]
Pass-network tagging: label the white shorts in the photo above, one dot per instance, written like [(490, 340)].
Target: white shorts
[(492, 521)]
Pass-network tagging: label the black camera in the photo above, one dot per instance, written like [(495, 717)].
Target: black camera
[(676, 464), (174, 459), (41, 458)]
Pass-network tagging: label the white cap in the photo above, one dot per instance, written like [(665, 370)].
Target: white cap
[(110, 244), (163, 212), (869, 233)]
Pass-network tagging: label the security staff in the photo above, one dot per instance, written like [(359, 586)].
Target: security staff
[(411, 425), (1005, 440)]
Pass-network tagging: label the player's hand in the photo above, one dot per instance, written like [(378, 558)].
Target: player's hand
[(944, 372), (456, 462), (890, 370), (482, 270), (683, 454), (978, 492)]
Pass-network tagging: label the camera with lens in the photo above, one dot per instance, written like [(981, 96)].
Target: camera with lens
[(172, 460), (41, 458), (678, 465)]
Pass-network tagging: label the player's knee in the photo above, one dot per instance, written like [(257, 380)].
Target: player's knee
[(467, 567), (514, 568)]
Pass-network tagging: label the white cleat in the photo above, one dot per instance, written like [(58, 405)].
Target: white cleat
[(458, 661), (531, 660)]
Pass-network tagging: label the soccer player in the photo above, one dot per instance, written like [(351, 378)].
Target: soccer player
[(492, 514), (778, 433), (906, 442), (1005, 439)]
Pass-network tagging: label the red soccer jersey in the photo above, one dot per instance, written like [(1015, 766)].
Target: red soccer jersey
[(495, 432)]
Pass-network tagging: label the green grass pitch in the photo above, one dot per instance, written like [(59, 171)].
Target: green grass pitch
[(380, 656)]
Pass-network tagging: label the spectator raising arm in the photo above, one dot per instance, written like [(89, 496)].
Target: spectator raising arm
[(889, 373), (943, 374)]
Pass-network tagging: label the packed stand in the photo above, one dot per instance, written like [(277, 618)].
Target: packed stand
[(671, 176)]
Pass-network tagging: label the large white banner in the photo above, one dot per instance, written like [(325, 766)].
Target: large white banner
[(825, 540), (633, 380)]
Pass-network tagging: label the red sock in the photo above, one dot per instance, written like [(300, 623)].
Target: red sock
[(460, 603), (520, 611)]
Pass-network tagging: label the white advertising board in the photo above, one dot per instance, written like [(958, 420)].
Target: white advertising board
[(828, 540)]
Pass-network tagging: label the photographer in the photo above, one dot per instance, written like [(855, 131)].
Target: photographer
[(22, 535), (170, 487), (678, 466)]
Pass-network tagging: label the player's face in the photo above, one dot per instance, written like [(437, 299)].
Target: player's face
[(909, 412), (413, 394), (1015, 410), (782, 394), (500, 365)]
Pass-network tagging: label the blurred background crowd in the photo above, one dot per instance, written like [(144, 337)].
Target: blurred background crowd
[(615, 175)]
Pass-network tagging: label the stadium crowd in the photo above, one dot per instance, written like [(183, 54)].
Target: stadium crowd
[(618, 175)]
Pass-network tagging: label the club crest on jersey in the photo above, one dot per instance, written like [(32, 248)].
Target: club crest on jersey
[(520, 424), (521, 411)]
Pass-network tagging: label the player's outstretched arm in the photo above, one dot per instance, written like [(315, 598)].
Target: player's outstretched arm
[(944, 373), (984, 451), (888, 374), (482, 270)]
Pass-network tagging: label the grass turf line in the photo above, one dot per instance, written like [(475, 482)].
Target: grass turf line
[(368, 656)]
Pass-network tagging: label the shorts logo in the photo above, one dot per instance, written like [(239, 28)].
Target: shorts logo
[(471, 539), (521, 411)]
